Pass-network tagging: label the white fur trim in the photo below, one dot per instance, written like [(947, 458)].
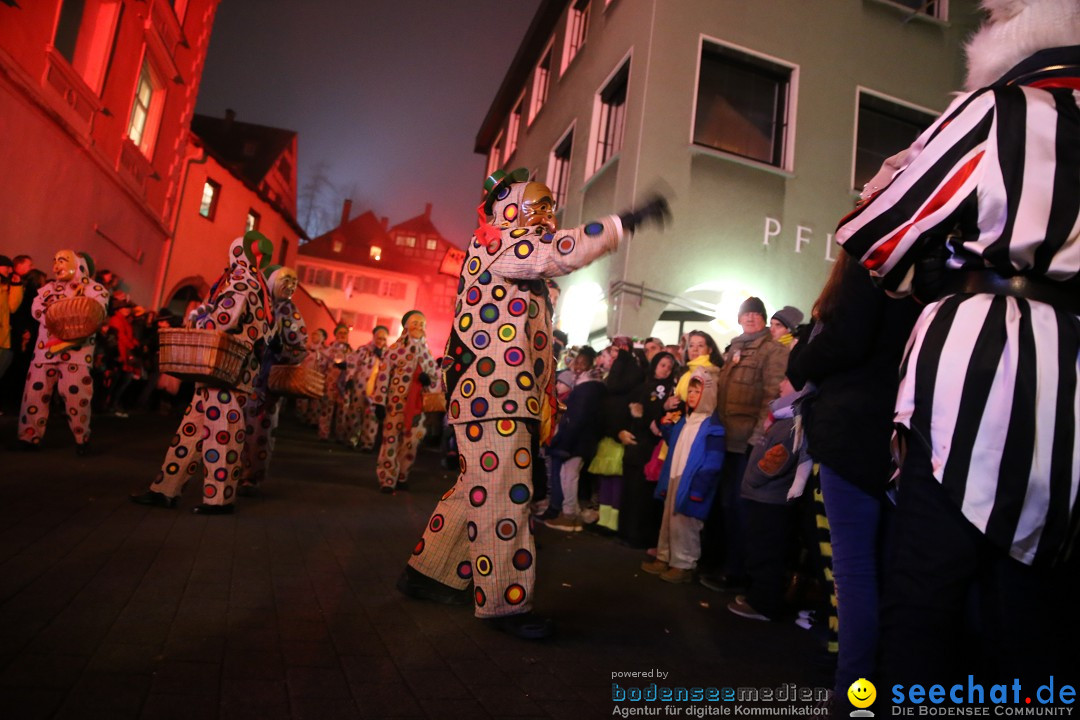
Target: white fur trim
[(1015, 30)]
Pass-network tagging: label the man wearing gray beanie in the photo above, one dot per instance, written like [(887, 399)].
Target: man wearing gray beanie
[(783, 324)]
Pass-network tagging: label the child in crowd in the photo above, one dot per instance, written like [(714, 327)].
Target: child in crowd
[(575, 440), (769, 516), (689, 479)]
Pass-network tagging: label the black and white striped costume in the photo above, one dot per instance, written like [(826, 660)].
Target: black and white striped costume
[(990, 382)]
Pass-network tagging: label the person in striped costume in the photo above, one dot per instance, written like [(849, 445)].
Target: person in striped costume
[(980, 220)]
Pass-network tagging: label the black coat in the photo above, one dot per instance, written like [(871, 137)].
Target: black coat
[(579, 428), (855, 362)]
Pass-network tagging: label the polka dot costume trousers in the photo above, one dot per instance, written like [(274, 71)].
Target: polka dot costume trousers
[(333, 410), (260, 422), (207, 445), (480, 528), (365, 425), (398, 450), (74, 384)]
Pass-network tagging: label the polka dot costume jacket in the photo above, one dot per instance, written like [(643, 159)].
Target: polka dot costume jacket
[(498, 361), (287, 345), (51, 350), (362, 363), (239, 305), (400, 363)]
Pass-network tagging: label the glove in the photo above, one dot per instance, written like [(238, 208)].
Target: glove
[(424, 379), (380, 412), (656, 211)]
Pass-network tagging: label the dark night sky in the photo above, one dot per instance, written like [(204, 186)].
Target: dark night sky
[(386, 95)]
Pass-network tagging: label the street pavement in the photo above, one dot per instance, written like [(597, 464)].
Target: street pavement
[(287, 609)]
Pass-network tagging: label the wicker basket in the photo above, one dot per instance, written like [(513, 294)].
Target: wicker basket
[(209, 356), (297, 381), (74, 318), (434, 402)]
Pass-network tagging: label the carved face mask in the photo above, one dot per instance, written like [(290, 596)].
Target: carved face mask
[(64, 265), (416, 326), (380, 338), (538, 207), (285, 284)]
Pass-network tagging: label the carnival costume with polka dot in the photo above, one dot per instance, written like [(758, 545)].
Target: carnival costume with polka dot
[(498, 370), (398, 388), (209, 442), (287, 346), (58, 365), (362, 374), (333, 418)]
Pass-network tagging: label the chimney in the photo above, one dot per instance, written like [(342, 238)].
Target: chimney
[(385, 223), (427, 211), (346, 209)]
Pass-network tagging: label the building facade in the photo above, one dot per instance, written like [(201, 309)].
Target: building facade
[(96, 97), (237, 177), (368, 273), (759, 121)]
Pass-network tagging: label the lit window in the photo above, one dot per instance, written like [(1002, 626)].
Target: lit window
[(84, 36), (742, 105), (146, 109), (252, 221), (375, 253), (514, 127), (884, 128), (392, 289), (338, 245), (495, 156), (610, 118), (577, 29), (541, 81), (559, 168), (406, 240), (211, 191), (933, 8), (431, 244)]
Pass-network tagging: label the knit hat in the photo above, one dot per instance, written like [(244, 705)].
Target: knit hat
[(789, 316), (753, 305)]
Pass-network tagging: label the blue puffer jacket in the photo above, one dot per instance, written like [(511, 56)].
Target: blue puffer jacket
[(701, 476)]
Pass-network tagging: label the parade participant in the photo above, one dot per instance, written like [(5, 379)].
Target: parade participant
[(209, 442), (363, 371), (334, 411), (63, 364), (11, 296), (287, 346), (498, 368), (398, 397), (309, 410), (981, 222)]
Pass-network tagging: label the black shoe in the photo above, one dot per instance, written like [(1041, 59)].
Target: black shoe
[(550, 514), (154, 498), (724, 583), (386, 490), (205, 509), (527, 626), (27, 446), (402, 487), (419, 586), (82, 449)]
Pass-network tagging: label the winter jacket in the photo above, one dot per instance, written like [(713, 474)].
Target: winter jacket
[(854, 361), (579, 429), (771, 467), (701, 476), (749, 380)]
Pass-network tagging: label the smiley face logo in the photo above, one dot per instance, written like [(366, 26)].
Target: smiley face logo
[(862, 694)]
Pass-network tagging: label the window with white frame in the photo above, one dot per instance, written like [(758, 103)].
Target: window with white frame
[(884, 127), (252, 221), (513, 127), (146, 109), (743, 103), (577, 30), (209, 202), (406, 240), (84, 37), (495, 155), (559, 168), (938, 9), (609, 116), (541, 83), (431, 244)]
